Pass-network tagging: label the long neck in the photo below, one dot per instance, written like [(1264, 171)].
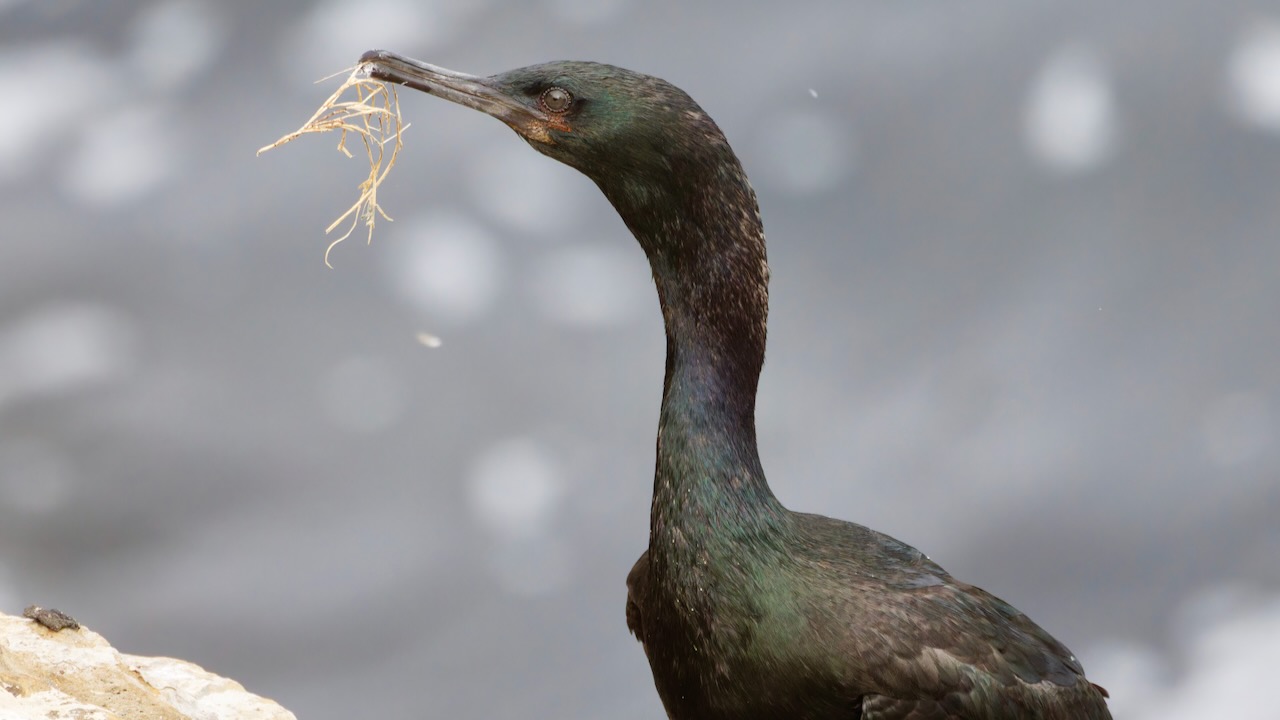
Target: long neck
[(705, 244)]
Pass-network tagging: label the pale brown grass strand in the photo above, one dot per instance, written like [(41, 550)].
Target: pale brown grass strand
[(374, 116)]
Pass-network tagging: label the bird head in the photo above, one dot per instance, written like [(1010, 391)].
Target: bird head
[(634, 134)]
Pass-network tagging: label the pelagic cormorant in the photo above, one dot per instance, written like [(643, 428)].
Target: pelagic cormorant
[(748, 610)]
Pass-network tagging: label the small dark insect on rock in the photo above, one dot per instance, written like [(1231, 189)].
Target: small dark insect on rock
[(55, 620)]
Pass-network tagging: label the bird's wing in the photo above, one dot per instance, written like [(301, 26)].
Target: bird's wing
[(958, 651), (879, 707), (637, 582), (913, 634)]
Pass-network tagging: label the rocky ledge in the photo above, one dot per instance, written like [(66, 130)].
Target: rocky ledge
[(72, 672)]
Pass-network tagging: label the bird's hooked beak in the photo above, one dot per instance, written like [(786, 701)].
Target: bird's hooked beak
[(475, 92)]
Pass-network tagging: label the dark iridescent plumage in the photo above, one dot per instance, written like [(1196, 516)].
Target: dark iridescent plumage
[(746, 609)]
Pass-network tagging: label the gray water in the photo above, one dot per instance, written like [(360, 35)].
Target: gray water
[(1025, 292)]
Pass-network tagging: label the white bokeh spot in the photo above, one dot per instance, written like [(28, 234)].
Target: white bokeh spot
[(335, 32), (515, 487), (1254, 77), (175, 40), (1231, 645), (597, 285), (63, 347), (448, 266), (123, 156), (26, 135), (806, 150), (1070, 117), (524, 190)]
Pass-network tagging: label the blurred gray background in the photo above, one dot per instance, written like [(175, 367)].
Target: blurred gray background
[(1024, 317)]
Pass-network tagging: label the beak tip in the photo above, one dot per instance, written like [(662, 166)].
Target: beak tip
[(373, 56)]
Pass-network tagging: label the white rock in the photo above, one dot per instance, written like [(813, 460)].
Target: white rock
[(77, 674)]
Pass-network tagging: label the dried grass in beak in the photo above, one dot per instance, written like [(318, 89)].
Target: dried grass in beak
[(374, 115)]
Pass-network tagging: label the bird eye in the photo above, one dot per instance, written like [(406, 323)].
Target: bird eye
[(556, 99)]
